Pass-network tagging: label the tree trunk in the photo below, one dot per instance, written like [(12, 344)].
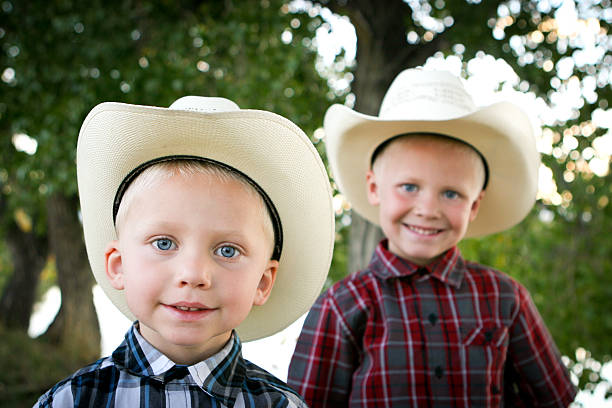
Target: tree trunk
[(75, 327), (364, 236), (28, 256)]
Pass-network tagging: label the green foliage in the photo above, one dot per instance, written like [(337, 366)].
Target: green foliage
[(30, 367), (66, 57)]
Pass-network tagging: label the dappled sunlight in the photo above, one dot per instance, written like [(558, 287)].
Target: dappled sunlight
[(44, 312), (274, 353), (24, 143), (113, 324)]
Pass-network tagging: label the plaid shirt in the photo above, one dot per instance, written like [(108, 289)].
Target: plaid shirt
[(138, 375), (452, 334)]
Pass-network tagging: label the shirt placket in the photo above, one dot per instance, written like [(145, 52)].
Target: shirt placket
[(440, 336), (434, 338)]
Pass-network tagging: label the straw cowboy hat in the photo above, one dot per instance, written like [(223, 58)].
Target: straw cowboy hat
[(273, 152), (421, 101)]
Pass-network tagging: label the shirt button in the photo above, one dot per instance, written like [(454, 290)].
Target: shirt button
[(439, 371), (488, 335), (433, 318), (494, 390)]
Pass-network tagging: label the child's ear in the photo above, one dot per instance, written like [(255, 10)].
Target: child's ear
[(372, 188), (114, 265), (476, 206), (266, 283)]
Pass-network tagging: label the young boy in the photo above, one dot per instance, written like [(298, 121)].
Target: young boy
[(421, 326), (191, 215)]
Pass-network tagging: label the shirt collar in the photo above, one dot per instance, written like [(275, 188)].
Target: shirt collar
[(449, 268), (220, 375), (223, 374)]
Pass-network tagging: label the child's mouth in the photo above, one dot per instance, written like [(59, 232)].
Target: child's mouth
[(423, 231), (188, 306), (189, 309), (189, 312)]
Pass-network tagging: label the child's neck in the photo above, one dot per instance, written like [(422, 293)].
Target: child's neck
[(185, 354)]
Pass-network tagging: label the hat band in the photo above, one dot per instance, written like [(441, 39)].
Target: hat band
[(276, 222), (386, 143)]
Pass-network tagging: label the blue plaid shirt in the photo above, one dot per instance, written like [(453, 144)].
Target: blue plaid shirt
[(138, 375)]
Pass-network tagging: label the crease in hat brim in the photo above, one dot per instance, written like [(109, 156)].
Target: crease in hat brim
[(278, 157), (501, 132)]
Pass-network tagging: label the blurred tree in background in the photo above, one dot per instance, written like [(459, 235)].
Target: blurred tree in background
[(60, 58)]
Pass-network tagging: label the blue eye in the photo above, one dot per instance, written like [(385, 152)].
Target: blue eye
[(451, 194), (164, 244), (227, 251), (409, 187)]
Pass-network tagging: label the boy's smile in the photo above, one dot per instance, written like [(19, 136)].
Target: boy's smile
[(193, 257), (189, 311), (427, 189)]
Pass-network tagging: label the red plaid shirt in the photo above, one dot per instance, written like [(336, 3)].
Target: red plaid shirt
[(452, 334)]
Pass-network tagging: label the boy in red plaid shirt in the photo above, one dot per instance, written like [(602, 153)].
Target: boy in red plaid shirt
[(421, 326)]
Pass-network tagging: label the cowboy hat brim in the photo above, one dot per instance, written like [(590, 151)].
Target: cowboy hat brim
[(116, 138), (501, 132)]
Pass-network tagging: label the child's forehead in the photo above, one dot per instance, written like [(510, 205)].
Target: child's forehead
[(192, 184), (198, 183), (210, 176), (434, 146), (197, 194), (412, 152)]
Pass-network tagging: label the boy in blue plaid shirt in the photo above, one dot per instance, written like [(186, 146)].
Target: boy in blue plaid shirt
[(191, 215)]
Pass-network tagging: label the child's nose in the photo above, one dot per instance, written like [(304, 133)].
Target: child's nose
[(426, 205), (196, 272)]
